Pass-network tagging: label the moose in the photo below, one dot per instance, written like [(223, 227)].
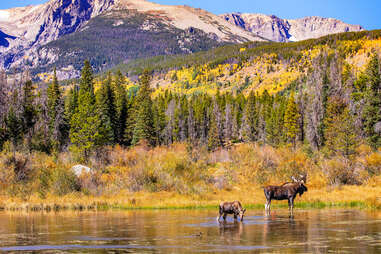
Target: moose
[(234, 207), (287, 190)]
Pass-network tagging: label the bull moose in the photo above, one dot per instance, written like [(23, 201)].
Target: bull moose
[(287, 190), (234, 207)]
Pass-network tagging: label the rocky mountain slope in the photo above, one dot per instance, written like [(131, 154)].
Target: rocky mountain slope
[(63, 33), (25, 31), (283, 30)]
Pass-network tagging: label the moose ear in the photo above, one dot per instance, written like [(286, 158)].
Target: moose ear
[(294, 179)]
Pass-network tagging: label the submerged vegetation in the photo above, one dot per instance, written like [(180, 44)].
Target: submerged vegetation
[(218, 126)]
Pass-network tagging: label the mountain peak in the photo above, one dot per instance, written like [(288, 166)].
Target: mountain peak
[(283, 30), (28, 33)]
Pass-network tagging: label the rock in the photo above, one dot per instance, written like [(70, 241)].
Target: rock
[(283, 30), (80, 169), (377, 127)]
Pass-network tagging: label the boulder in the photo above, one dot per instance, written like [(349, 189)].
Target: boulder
[(78, 170)]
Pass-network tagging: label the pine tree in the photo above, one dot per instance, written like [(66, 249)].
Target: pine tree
[(275, 122), (71, 103), (291, 120), (250, 122), (121, 106), (341, 135), (130, 121), (192, 132), (14, 127), (57, 121), (54, 97), (215, 133), (86, 84), (372, 109), (29, 111), (228, 124), (85, 132), (144, 129), (106, 110)]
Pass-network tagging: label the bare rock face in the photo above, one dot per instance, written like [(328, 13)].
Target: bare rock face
[(283, 30), (23, 29), (26, 33)]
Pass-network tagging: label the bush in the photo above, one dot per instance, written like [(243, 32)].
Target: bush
[(64, 181), (340, 170)]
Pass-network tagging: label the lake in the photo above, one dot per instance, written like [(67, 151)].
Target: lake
[(191, 231)]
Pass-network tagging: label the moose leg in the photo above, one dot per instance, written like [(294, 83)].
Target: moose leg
[(291, 205), (220, 213), (267, 206), (235, 216), (224, 216)]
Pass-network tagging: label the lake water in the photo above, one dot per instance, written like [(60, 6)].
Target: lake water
[(191, 231)]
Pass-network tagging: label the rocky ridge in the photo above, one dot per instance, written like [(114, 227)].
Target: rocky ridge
[(283, 30)]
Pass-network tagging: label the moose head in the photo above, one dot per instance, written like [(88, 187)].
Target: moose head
[(301, 183)]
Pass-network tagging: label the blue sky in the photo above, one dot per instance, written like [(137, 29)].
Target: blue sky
[(365, 12)]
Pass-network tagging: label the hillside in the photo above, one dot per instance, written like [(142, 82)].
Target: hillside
[(63, 33), (256, 66), (25, 32)]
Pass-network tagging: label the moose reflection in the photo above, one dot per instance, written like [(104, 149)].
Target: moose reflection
[(287, 190)]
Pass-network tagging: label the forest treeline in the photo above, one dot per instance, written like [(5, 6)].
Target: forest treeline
[(330, 109)]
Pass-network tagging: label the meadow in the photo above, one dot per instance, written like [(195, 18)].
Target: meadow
[(181, 176)]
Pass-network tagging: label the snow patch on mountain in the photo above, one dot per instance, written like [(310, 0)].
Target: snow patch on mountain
[(4, 15)]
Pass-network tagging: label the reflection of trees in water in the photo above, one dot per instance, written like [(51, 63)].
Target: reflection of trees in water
[(231, 231)]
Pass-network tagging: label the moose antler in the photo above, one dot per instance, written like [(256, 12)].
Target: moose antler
[(303, 178)]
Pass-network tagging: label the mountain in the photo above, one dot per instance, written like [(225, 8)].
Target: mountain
[(63, 33), (25, 33), (283, 30)]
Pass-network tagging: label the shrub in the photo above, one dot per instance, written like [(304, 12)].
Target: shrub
[(64, 181)]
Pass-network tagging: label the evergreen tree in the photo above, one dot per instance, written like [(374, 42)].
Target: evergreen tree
[(86, 84), (130, 121), (71, 103), (341, 135), (228, 124), (106, 110), (54, 97), (29, 112), (144, 129), (159, 120), (250, 120), (291, 120), (86, 127), (121, 106), (57, 119), (215, 133), (372, 109), (275, 122), (192, 132), (14, 127)]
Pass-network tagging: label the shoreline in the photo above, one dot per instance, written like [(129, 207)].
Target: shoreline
[(251, 197), (47, 207)]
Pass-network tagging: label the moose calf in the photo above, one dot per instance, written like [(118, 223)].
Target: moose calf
[(234, 207)]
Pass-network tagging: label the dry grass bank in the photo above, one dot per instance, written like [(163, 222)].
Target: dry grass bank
[(181, 177)]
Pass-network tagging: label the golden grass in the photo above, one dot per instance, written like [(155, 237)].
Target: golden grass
[(251, 197), (175, 177)]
